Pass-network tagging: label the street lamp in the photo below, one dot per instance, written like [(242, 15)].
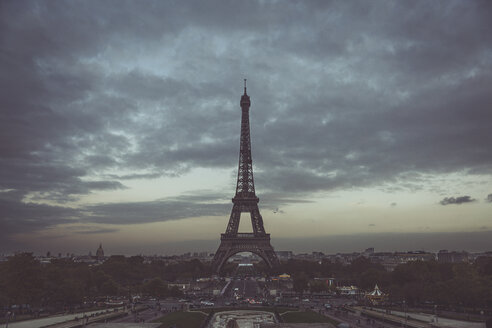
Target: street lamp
[(405, 310), (8, 317)]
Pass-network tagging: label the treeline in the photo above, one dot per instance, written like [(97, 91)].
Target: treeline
[(416, 283), (64, 284)]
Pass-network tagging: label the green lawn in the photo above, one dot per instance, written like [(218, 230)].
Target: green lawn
[(307, 317), (182, 320)]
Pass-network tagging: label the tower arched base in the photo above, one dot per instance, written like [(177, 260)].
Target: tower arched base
[(244, 242)]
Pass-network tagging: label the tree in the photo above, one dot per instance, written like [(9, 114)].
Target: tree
[(300, 282), (317, 286), (368, 279), (23, 281), (155, 287), (109, 288), (483, 264)]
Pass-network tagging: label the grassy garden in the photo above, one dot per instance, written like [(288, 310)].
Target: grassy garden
[(182, 320), (307, 317)]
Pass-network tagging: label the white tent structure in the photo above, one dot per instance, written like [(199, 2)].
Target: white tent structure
[(376, 296), (376, 291)]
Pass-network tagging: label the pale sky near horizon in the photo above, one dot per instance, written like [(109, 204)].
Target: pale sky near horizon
[(120, 122)]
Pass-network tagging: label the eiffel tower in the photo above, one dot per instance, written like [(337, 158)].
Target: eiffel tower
[(245, 201)]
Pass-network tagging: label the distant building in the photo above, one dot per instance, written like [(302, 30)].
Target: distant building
[(444, 256), (368, 252), (391, 260), (180, 285), (474, 256), (100, 253), (348, 290), (284, 255), (200, 255), (345, 258), (85, 259)]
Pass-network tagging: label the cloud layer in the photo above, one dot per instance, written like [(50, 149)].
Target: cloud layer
[(457, 200), (344, 94)]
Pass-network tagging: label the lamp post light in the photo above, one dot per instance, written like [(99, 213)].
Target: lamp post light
[(405, 310), (8, 317)]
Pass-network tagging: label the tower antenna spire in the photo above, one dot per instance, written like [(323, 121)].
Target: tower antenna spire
[(244, 86)]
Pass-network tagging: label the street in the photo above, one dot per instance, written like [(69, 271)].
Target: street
[(242, 289), (42, 322)]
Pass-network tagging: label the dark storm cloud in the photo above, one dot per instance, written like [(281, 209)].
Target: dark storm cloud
[(173, 208), (19, 217), (135, 176), (457, 200), (198, 203), (489, 198), (343, 94), (95, 231)]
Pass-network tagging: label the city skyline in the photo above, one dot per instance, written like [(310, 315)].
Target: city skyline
[(370, 124)]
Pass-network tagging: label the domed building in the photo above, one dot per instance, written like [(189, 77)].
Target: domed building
[(100, 253)]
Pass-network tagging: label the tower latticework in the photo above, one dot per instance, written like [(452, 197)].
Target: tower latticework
[(245, 201)]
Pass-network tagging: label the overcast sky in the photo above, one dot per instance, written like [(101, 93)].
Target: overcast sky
[(120, 122)]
